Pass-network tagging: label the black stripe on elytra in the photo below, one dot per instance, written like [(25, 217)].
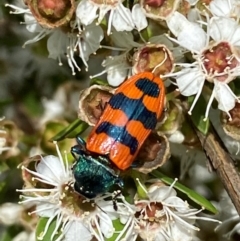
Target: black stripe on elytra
[(148, 87), (134, 109), (120, 134)]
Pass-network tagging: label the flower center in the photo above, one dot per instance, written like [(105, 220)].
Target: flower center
[(151, 212), (74, 204), (106, 2), (207, 2), (154, 3), (218, 61), (153, 58)]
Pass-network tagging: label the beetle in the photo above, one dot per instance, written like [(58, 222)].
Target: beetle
[(113, 144), (129, 117), (94, 174)]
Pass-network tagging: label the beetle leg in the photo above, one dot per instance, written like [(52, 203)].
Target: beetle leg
[(76, 150), (81, 142), (136, 164), (114, 199)]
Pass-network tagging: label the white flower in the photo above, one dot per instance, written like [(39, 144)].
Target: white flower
[(163, 216), (120, 17), (117, 67), (139, 17), (216, 55), (160, 216), (172, 218), (84, 41), (57, 200), (225, 8), (231, 220)]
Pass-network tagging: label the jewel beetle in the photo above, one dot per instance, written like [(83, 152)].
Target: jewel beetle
[(113, 144), (94, 174)]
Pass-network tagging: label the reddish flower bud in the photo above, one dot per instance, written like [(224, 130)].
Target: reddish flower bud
[(52, 13)]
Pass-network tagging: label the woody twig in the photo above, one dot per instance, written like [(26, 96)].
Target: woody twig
[(222, 164)]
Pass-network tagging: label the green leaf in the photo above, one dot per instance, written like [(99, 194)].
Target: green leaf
[(197, 198), (41, 228), (75, 128), (198, 114), (96, 81), (118, 228)]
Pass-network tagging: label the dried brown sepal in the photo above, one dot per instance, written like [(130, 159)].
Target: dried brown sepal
[(31, 181), (162, 9), (10, 133), (92, 103), (29, 222), (154, 152), (232, 127), (29, 178), (156, 58), (52, 13)]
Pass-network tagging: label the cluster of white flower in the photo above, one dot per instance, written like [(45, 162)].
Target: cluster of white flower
[(193, 44), (160, 216), (210, 33)]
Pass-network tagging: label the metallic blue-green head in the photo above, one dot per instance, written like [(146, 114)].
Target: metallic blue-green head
[(94, 175)]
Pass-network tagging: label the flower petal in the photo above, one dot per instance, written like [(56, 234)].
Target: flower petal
[(179, 232), (122, 19), (56, 44), (46, 209), (225, 29), (116, 76), (220, 8), (50, 166), (86, 11), (139, 17), (190, 35), (189, 80), (93, 35), (123, 40), (160, 193), (34, 27), (77, 231), (106, 225), (226, 100)]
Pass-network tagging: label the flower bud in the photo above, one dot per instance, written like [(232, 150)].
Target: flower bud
[(92, 103), (162, 9), (52, 13), (156, 58), (154, 152)]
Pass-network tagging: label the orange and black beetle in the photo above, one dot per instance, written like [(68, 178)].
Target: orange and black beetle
[(129, 117)]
